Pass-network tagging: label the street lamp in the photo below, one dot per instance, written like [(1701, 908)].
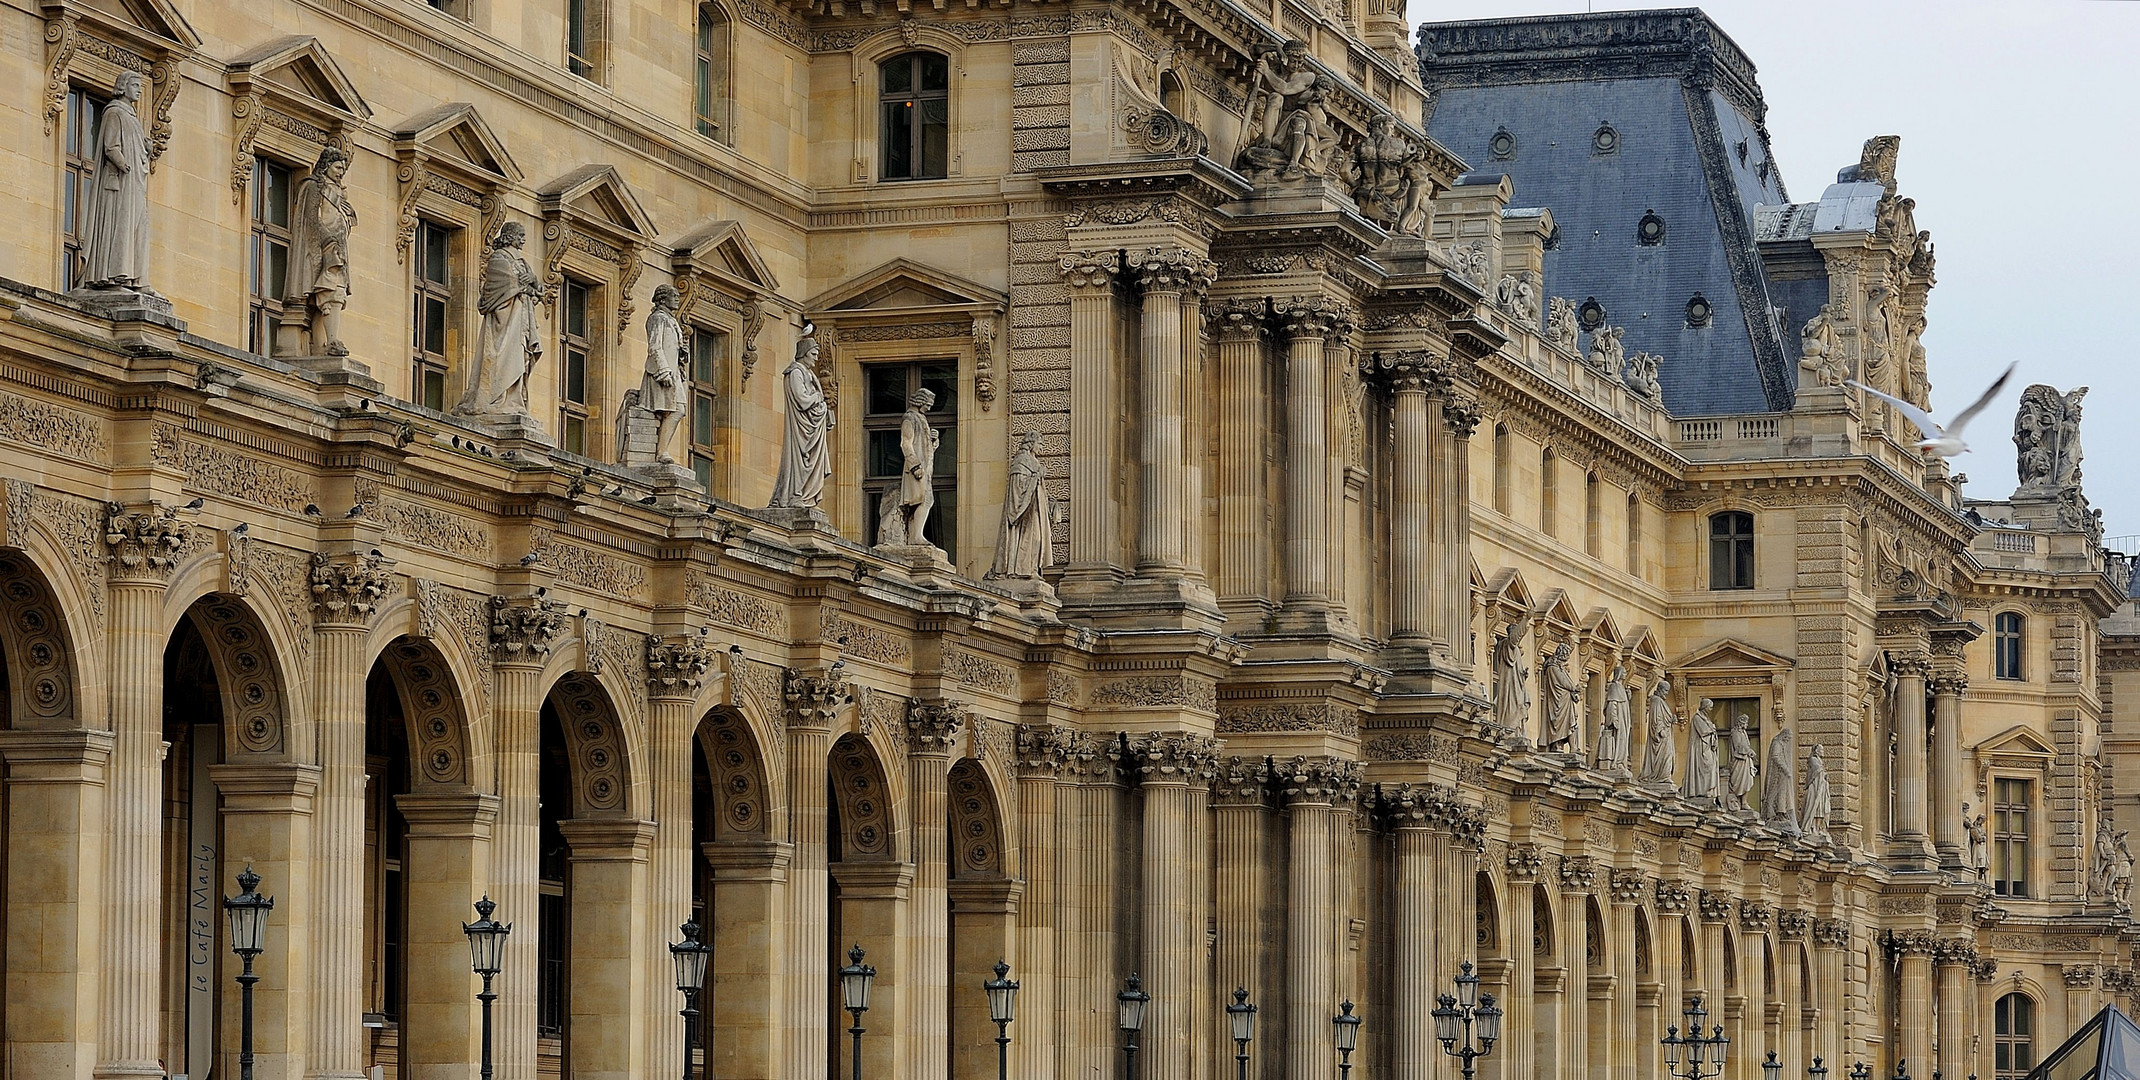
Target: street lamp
[(1241, 1016), (1465, 1015), (1817, 1070), (1002, 1008), (1704, 1054), (1771, 1069), (1901, 1072), (1861, 1071), (1130, 1004), (855, 980), (690, 955), (486, 954), (1348, 1037), (248, 913)]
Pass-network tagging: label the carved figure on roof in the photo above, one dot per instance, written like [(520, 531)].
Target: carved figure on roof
[(1607, 355), (1879, 327), (115, 209), (1659, 751), (1377, 171), (1471, 261), (1281, 88), (1564, 704), (1813, 820), (1641, 376), (511, 341), (1418, 209), (1309, 138), (1526, 300), (1561, 327), (1779, 783), (1918, 385), (2047, 440), (2104, 862), (317, 286), (1703, 765), (1817, 353), (1616, 724)]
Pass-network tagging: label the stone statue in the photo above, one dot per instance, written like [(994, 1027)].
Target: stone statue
[(2105, 865), (1606, 352), (1659, 753), (1702, 761), (317, 287), (1279, 92), (1616, 724), (1817, 354), (2121, 875), (1526, 301), (1561, 327), (1979, 854), (1309, 138), (903, 516), (805, 457), (1418, 208), (1813, 819), (1641, 376), (1779, 783), (1023, 544), (1917, 384), (2047, 440), (115, 212), (661, 389), (1472, 261), (1512, 698), (1745, 765), (1564, 704), (1381, 184), (511, 341)]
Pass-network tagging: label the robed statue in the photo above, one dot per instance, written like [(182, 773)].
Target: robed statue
[(805, 456), (1779, 783), (1660, 750), (1813, 820), (1744, 765), (1564, 704), (114, 221), (1702, 758), (1023, 544), (1616, 726), (1512, 698), (316, 288), (511, 341), (903, 516), (661, 389)]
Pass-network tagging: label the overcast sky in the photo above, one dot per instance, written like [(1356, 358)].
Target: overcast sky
[(2020, 125)]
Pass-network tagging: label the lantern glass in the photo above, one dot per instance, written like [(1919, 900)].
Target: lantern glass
[(855, 980), (1002, 995), (1241, 1016), (1467, 987), (1488, 1021), (1348, 1029), (1448, 1022), (1721, 1043), (1672, 1044), (690, 956), (1131, 1002), (248, 914), (486, 939), (1817, 1070)]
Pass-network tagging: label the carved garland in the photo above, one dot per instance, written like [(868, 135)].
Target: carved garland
[(415, 175)]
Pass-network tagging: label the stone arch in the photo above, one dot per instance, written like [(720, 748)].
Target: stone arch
[(39, 676), (1541, 922), (1730, 976), (861, 804), (976, 835), (1645, 965), (432, 712), (1487, 913), (1596, 946), (602, 780), (1768, 970), (744, 808), (1690, 966), (405, 618), (249, 676)]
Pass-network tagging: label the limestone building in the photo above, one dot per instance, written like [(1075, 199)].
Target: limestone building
[(1198, 488)]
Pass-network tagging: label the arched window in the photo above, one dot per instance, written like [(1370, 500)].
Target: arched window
[(2013, 1047), (1634, 534), (709, 108), (2006, 645), (914, 98), (1731, 550), (1548, 492), (1501, 467), (1593, 513)]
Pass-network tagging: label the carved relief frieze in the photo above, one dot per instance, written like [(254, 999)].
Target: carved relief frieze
[(1290, 716), (224, 471), (1158, 691), (979, 672), (740, 610), (866, 642), (55, 430), (435, 530), (607, 575)]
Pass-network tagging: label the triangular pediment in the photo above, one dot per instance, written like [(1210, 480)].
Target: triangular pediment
[(2015, 740), (597, 193), (904, 284), (1731, 654), (1554, 607), (158, 19), (1642, 642), (1599, 626), (1507, 587), (724, 248), (300, 68), (457, 132)]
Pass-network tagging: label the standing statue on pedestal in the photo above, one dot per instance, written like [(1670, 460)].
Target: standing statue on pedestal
[(1023, 544), (903, 516), (805, 459), (1979, 857), (1779, 783), (2105, 862), (1702, 759), (1512, 698), (2121, 874), (114, 215), (317, 288), (2047, 439), (1745, 763), (511, 341), (1282, 77), (1813, 822), (1616, 725), (1564, 704), (1660, 751), (661, 389), (1562, 329)]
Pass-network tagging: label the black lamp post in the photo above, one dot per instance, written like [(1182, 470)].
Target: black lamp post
[(1703, 1054), (1817, 1070), (248, 913), (855, 980), (486, 954), (1771, 1069), (690, 955), (1901, 1069), (1348, 1037), (1002, 1008), (1241, 1016), (1469, 1016), (1861, 1071), (1130, 1004)]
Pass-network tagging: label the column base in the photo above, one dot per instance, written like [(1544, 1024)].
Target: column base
[(1911, 853), (1172, 602)]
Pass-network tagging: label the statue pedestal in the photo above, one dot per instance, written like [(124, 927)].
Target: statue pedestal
[(126, 305), (664, 476), (337, 371), (1027, 591), (517, 428), (1306, 195), (924, 557), (795, 518)]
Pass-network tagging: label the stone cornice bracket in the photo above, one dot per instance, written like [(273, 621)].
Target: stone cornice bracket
[(145, 540), (676, 665), (1089, 269), (1578, 874), (1627, 886), (346, 588), (1525, 862), (1413, 369), (523, 629), (1239, 318), (1242, 781), (1792, 925), (1714, 906), (1461, 413), (813, 698), (1672, 897), (1171, 757), (933, 726), (1754, 916), (1041, 749), (1833, 933), (1173, 269)]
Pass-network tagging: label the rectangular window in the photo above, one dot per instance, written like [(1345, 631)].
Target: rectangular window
[(579, 41), (710, 99), (431, 304), (884, 462), (578, 346), (83, 109), (709, 350), (1731, 550), (2006, 645), (268, 262), (2010, 837), (915, 99)]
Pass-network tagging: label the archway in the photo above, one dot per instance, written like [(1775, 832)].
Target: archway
[(739, 872), (590, 870), (869, 887)]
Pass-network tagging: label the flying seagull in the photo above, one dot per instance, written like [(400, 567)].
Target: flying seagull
[(1940, 441)]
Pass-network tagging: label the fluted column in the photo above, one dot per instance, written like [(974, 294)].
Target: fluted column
[(1415, 552), (1041, 750), (1164, 274), (812, 700), (2080, 996), (1831, 950), (1791, 929), (1095, 415), (1948, 836), (1913, 949), (1243, 550), (676, 668), (1714, 910), (1175, 772), (1085, 932), (1452, 502), (345, 593), (1627, 889), (1668, 940), (1578, 879), (932, 726), (143, 544), (1309, 322), (1957, 1004), (1911, 796), (522, 633), (1524, 863), (1244, 900), (1416, 979), (55, 819), (1320, 793)]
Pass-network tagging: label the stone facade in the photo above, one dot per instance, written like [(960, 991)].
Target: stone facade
[(1310, 460)]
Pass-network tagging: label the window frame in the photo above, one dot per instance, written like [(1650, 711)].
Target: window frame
[(1549, 492), (712, 95), (944, 518), (78, 166), (425, 363), (264, 309), (1725, 575), (2009, 648), (585, 40), (915, 95), (2010, 832), (704, 380), (2005, 1039), (575, 414)]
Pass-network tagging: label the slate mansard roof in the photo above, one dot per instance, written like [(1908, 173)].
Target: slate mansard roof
[(1618, 123)]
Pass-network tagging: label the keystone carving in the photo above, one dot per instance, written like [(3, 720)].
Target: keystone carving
[(522, 629), (346, 589), (676, 666), (144, 540)]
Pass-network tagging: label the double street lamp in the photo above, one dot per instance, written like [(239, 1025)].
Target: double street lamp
[(248, 914), (1703, 1055), (1467, 1015), (690, 956), (486, 954), (1002, 1008), (855, 980)]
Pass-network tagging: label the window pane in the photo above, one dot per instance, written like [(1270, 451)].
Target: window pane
[(702, 420), (899, 75), (942, 529), (277, 270), (935, 71), (935, 139), (575, 309), (274, 194), (702, 467), (434, 325), (434, 389), (943, 381), (888, 390), (575, 375), (885, 458), (898, 140), (947, 452), (435, 240), (575, 435)]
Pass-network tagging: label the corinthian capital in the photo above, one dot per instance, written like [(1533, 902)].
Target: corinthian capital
[(1043, 748), (1173, 269), (813, 697), (1413, 369), (1237, 319), (346, 588), (1910, 662), (1335, 781), (1089, 269), (932, 726), (1174, 757), (1950, 682), (523, 628), (144, 540), (676, 666), (1460, 413), (1312, 316)]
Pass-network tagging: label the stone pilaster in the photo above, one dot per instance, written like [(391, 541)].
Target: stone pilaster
[(1095, 417), (1309, 324), (1911, 795), (1413, 376), (1041, 751), (1578, 879), (1241, 812), (743, 999), (933, 728), (523, 630), (1791, 927), (813, 698), (616, 992), (1416, 975), (1948, 786), (1831, 950), (1086, 1041), (55, 814), (1175, 772), (1452, 507), (1164, 275), (1673, 902), (1320, 794), (1626, 889), (1523, 864), (1912, 952), (267, 819), (676, 668), (448, 842), (1243, 570), (1953, 957)]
